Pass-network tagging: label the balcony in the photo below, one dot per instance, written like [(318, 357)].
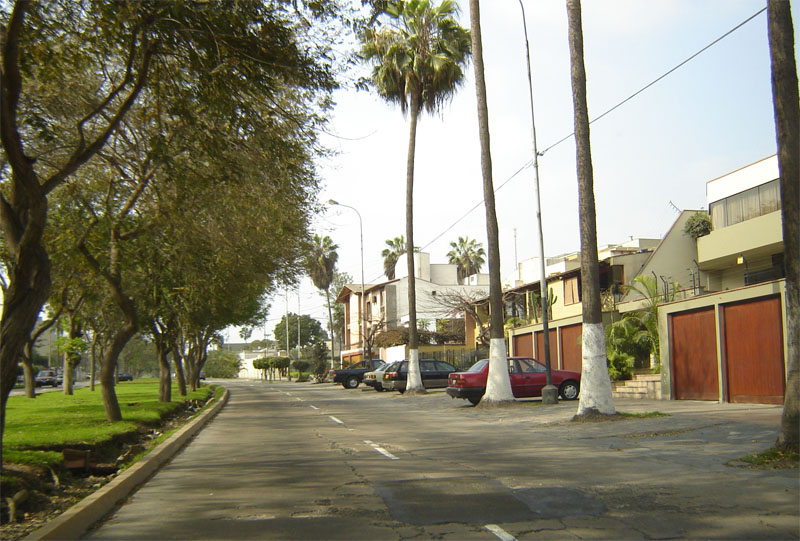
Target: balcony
[(757, 237)]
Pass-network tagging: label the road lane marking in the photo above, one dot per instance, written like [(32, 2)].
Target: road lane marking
[(299, 399), (381, 450), (500, 532), (313, 407), (335, 420)]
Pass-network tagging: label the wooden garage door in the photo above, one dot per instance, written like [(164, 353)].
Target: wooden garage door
[(571, 356), (523, 345), (553, 348), (693, 350), (753, 352)]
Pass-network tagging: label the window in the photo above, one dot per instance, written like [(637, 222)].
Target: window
[(746, 205), (572, 290)]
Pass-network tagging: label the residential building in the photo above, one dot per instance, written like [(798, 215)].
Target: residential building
[(386, 304)]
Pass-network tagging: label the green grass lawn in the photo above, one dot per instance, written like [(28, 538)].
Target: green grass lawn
[(37, 429)]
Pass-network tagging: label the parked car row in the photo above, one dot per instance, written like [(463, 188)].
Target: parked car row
[(527, 377)]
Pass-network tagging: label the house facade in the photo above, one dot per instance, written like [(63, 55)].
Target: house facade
[(727, 344), (385, 305)]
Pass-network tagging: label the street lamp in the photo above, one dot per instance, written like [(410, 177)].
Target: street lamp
[(550, 392), (363, 295)]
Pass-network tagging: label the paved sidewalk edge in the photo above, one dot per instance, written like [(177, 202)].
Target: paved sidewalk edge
[(76, 520)]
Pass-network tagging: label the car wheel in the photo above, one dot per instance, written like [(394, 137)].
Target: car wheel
[(379, 388), (351, 382), (569, 390), (474, 401)]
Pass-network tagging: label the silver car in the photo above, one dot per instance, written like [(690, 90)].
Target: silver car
[(374, 379)]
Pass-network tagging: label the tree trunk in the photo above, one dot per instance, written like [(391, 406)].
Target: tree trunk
[(498, 384), (414, 379), (109, 369), (162, 351), (785, 99), (595, 382)]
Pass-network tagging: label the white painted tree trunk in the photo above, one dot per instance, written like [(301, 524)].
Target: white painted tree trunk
[(595, 382), (414, 380), (498, 384)]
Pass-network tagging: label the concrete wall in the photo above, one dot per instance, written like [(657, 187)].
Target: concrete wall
[(742, 179)]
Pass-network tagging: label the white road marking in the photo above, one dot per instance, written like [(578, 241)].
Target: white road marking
[(381, 450), (500, 532), (335, 420), (313, 407), (299, 399)]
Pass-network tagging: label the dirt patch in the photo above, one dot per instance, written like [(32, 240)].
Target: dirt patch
[(592, 415), (48, 493)]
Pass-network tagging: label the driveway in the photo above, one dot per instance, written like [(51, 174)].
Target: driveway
[(300, 461)]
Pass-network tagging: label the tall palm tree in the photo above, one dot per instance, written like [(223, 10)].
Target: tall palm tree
[(468, 256), (595, 383), (498, 385), (417, 64), (321, 266), (785, 98)]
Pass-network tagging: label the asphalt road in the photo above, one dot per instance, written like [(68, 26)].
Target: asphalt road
[(301, 461)]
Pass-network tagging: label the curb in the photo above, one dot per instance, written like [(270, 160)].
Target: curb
[(76, 520)]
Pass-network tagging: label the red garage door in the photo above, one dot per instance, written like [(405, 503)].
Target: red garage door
[(571, 356), (523, 345), (754, 351), (693, 350), (553, 347)]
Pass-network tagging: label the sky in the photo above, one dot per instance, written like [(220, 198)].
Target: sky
[(652, 156)]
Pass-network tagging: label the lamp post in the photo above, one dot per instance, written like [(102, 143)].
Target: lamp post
[(550, 392), (363, 296)]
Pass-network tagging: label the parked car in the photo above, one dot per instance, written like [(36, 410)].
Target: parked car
[(124, 376), (202, 375), (353, 375), (46, 377), (527, 376), (374, 379), (434, 374)]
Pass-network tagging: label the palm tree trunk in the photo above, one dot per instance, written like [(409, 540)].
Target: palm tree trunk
[(414, 380), (787, 126), (595, 382), (498, 384)]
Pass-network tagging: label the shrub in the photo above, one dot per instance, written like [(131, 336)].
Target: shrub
[(301, 366), (698, 225), (620, 365)]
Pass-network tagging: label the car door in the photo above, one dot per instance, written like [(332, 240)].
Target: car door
[(427, 371), (517, 379), (534, 377), (443, 371)]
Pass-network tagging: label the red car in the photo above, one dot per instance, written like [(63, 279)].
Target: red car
[(528, 377)]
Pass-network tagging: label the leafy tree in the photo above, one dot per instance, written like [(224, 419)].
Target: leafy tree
[(311, 331), (418, 61), (222, 364), (595, 382), (498, 385), (72, 71), (787, 128), (321, 265), (467, 255)]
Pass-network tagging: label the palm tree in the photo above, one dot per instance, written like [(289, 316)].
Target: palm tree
[(596, 385), (321, 265), (787, 126), (391, 255), (498, 385), (468, 256), (417, 64)]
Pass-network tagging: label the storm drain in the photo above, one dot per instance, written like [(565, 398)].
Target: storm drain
[(480, 501)]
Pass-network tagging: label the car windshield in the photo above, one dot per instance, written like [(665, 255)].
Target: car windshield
[(478, 367)]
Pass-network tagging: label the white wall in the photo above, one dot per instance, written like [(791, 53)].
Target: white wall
[(742, 179)]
